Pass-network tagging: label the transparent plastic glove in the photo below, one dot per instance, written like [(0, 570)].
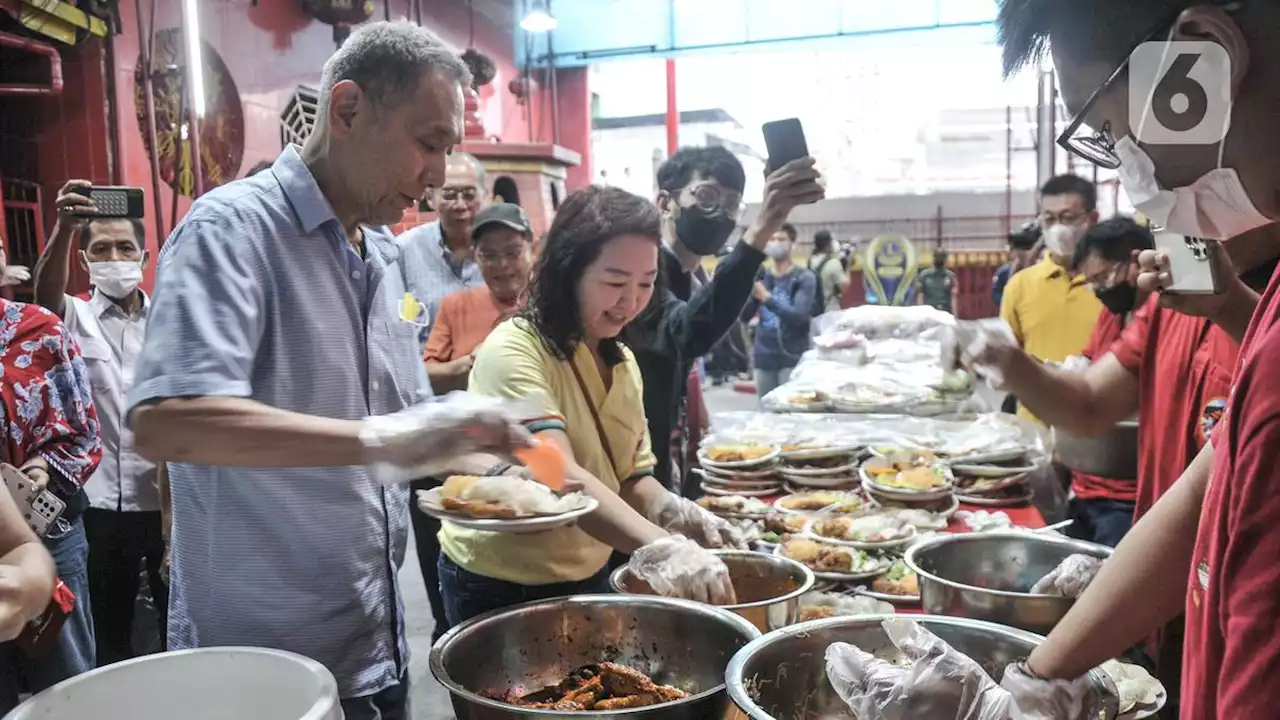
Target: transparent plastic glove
[(985, 347), (684, 517), (676, 566), (1070, 578), (1038, 699), (424, 439), (936, 683)]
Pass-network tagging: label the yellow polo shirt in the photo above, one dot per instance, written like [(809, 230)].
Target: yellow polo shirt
[(1051, 313), (514, 363)]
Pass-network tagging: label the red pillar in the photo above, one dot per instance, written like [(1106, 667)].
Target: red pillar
[(573, 94), (673, 115)]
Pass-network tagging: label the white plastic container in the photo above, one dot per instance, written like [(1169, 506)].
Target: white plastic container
[(219, 683)]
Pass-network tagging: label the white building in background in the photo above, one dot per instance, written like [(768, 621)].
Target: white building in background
[(627, 151)]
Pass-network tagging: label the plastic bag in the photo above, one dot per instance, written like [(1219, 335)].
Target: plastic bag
[(928, 680), (684, 517), (1038, 699), (981, 343), (1071, 578), (676, 566), (425, 439)]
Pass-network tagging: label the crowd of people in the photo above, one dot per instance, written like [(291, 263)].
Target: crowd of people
[(251, 433)]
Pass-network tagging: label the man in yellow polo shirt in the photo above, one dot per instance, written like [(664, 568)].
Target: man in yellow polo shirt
[(1051, 309)]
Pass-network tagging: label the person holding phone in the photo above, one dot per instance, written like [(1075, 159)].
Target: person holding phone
[(49, 430), (783, 300), (1209, 546), (123, 522)]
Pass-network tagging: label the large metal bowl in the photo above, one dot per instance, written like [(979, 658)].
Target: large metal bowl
[(988, 576), (768, 587), (1113, 454), (531, 646), (783, 675)]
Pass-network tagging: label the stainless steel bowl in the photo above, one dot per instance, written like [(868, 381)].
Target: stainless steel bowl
[(535, 645), (768, 587), (988, 576), (783, 675), (1113, 454)]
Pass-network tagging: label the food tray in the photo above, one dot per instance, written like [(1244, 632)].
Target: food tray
[(429, 503), (737, 464), (860, 544)]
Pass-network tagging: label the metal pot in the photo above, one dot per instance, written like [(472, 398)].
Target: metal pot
[(783, 675), (535, 645), (1113, 454), (987, 576), (769, 586)]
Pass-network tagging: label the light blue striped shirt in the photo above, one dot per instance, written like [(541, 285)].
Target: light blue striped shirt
[(431, 271), (260, 296)]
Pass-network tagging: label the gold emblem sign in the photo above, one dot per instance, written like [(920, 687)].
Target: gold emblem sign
[(890, 269)]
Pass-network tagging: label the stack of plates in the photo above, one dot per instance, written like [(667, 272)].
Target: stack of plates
[(993, 480), (827, 468), (940, 495), (756, 477)]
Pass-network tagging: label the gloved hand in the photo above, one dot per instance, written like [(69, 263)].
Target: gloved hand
[(680, 516), (986, 347), (676, 567), (1038, 699), (1070, 578), (422, 440), (937, 683)]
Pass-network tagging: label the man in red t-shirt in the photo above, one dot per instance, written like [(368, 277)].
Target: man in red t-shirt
[(1209, 545)]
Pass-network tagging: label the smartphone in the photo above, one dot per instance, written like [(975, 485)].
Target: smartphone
[(40, 509), (114, 201), (1192, 264), (784, 141)]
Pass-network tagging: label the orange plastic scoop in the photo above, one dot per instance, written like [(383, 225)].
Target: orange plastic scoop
[(545, 463)]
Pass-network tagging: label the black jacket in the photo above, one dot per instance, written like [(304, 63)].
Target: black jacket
[(680, 326)]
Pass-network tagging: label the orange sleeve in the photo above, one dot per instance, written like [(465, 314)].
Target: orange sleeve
[(440, 341)]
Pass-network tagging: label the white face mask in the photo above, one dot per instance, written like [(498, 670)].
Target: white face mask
[(1061, 239), (115, 278), (1215, 206), (777, 250)]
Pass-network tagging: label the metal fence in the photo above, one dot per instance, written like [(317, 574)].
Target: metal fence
[(950, 232)]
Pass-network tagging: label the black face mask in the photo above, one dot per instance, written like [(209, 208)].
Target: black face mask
[(702, 232), (1119, 299)]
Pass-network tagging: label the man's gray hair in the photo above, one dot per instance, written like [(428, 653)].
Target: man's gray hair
[(387, 60)]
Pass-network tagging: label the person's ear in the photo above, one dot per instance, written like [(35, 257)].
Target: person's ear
[(665, 202), (1093, 217), (346, 102), (1210, 23), (84, 260), (146, 255)]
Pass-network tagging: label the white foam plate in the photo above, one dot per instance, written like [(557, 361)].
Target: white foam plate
[(819, 453), (989, 456), (429, 503), (823, 481), (766, 474), (899, 494), (844, 605), (990, 471), (999, 484), (889, 502), (897, 542), (765, 492), (984, 501), (885, 564), (753, 484), (795, 472), (895, 599), (778, 504), (737, 464)]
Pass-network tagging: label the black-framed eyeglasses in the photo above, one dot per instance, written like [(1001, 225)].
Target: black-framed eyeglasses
[(1099, 146)]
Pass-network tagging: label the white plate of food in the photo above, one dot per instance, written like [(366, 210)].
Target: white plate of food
[(766, 474), (946, 507), (753, 483), (987, 457), (920, 518), (898, 584), (891, 493), (823, 501), (818, 605), (915, 478), (1005, 497), (740, 492), (987, 486), (735, 506), (844, 480), (817, 451), (1141, 694), (876, 531), (834, 562), (779, 527), (993, 471), (821, 467), (726, 456), (503, 504)]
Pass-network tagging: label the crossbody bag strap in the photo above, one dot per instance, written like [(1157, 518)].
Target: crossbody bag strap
[(595, 416)]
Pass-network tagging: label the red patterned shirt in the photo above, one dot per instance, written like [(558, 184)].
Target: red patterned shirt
[(47, 404)]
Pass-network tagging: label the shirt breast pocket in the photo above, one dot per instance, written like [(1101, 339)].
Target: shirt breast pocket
[(98, 358), (396, 364)]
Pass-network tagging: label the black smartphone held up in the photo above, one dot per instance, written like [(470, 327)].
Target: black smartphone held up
[(784, 140), (114, 201)]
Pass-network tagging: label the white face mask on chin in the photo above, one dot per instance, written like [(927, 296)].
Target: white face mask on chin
[(115, 278)]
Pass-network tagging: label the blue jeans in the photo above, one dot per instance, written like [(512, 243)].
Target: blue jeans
[(767, 380), (467, 595), (74, 653), (1101, 521), (389, 704)]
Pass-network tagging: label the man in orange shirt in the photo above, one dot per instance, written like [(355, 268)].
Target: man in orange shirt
[(502, 242)]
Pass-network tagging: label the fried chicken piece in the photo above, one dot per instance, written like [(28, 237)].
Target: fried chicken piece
[(628, 701), (622, 680), (478, 509), (587, 694)]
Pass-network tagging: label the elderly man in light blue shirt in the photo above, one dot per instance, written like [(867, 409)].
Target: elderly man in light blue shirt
[(274, 332)]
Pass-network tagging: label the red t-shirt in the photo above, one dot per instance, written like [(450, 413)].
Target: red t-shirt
[(1095, 487), (1183, 365), (1231, 660)]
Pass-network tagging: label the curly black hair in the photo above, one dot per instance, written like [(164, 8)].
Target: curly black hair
[(585, 221), (714, 163)]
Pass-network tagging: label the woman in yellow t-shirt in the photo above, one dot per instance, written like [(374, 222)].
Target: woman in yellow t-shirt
[(560, 357)]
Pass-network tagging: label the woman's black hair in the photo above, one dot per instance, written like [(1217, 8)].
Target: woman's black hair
[(585, 221)]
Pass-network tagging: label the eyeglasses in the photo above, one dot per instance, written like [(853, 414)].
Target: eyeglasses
[(448, 194), (493, 258), (1099, 146), (711, 196), (1109, 278)]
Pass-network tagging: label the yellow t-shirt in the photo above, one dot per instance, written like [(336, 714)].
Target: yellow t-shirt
[(1051, 313), (514, 363)]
